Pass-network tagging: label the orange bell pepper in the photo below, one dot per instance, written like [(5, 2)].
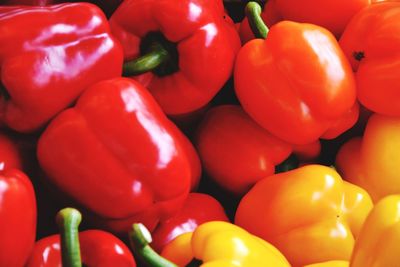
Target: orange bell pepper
[(371, 42), (378, 242), (310, 214), (373, 161)]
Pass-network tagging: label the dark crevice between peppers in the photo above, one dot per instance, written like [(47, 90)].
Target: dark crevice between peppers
[(4, 95), (68, 221), (291, 163), (158, 55)]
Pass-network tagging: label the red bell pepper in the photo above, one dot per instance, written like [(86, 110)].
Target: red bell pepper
[(191, 46), (10, 157), (333, 15), (197, 209), (118, 156), (235, 151), (17, 218), (90, 247), (48, 56), (371, 43), (28, 2), (296, 102)]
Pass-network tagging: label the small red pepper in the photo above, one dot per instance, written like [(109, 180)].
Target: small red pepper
[(17, 218), (123, 162), (10, 157), (235, 151), (48, 56), (296, 102), (90, 247), (371, 43), (190, 46), (197, 209)]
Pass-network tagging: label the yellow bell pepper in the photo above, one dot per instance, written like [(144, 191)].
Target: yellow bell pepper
[(373, 161), (379, 239), (310, 214), (221, 244)]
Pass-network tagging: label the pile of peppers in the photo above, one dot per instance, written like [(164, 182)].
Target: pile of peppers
[(213, 133)]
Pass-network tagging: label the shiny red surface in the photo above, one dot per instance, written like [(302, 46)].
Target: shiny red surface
[(17, 218), (10, 157), (116, 154), (297, 83), (235, 151), (197, 209), (48, 56), (206, 41), (98, 249)]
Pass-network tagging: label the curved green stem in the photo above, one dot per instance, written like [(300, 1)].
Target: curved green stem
[(147, 62), (253, 13), (140, 239), (68, 221)]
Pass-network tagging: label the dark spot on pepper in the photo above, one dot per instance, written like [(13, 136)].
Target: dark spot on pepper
[(358, 55)]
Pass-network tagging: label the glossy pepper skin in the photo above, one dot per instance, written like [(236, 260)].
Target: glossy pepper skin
[(48, 63), (124, 162), (98, 248), (296, 102), (377, 244), (17, 218), (28, 2), (310, 214), (333, 15), (372, 161), (223, 244), (197, 209), (371, 43), (10, 157), (235, 151), (205, 41)]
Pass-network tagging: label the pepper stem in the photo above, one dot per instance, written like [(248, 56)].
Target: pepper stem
[(147, 62), (140, 239), (68, 221), (253, 13)]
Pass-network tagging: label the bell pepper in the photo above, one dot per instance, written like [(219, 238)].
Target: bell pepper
[(10, 157), (310, 214), (49, 56), (377, 244), (333, 15), (197, 209), (124, 162), (213, 243), (17, 218), (299, 103), (235, 151), (370, 42), (71, 248), (189, 46), (372, 161), (330, 264), (28, 2)]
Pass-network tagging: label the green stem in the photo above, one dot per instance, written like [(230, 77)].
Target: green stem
[(68, 221), (140, 239), (253, 13), (147, 62)]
